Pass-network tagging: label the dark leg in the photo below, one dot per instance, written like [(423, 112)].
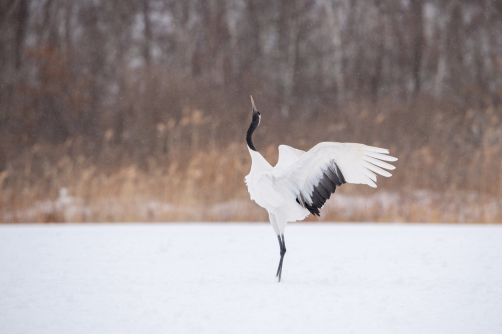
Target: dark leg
[(280, 252), (282, 244)]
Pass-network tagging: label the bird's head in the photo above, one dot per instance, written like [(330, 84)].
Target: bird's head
[(256, 113)]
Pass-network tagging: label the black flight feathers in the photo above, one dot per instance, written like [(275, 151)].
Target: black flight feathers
[(332, 177)]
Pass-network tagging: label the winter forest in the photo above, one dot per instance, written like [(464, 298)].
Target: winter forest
[(124, 110)]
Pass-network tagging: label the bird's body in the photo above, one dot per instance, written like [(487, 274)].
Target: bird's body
[(302, 182)]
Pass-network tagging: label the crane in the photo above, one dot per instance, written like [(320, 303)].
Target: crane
[(301, 182)]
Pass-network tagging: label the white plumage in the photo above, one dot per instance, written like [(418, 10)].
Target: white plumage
[(301, 182)]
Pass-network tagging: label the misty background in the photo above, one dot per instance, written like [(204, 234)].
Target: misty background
[(126, 110)]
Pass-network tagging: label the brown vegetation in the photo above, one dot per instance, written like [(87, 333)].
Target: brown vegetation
[(192, 182)]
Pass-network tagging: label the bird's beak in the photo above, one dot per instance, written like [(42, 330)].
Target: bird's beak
[(254, 107)]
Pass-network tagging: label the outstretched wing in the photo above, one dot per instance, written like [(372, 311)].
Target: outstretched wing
[(288, 155), (314, 176)]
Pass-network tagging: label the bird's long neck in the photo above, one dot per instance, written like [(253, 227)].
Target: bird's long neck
[(254, 124), (259, 163)]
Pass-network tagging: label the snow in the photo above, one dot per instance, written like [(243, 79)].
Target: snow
[(220, 278)]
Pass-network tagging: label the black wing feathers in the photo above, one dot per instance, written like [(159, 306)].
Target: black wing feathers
[(332, 177)]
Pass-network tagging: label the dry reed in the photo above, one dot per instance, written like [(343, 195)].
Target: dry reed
[(188, 174)]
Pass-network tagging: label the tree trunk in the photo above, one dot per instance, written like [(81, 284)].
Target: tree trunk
[(147, 32), (418, 42), (338, 51), (22, 20)]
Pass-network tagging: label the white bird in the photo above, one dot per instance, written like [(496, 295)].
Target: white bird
[(301, 182)]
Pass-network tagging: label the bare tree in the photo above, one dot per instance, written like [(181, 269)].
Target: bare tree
[(417, 19)]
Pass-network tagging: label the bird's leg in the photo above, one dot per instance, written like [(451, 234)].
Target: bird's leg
[(283, 252), (280, 252)]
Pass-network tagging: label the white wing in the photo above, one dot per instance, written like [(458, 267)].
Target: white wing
[(314, 175), (288, 155)]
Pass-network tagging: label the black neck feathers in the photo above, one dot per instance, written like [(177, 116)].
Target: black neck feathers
[(254, 124)]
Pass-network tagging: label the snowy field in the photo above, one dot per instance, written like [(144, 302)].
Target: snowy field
[(220, 278)]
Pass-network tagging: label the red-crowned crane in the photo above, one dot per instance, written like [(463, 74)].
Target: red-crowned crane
[(302, 182)]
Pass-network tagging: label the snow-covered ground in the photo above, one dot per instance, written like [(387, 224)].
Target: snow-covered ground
[(220, 278)]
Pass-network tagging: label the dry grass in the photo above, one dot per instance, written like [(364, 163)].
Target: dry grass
[(190, 169), (207, 186)]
